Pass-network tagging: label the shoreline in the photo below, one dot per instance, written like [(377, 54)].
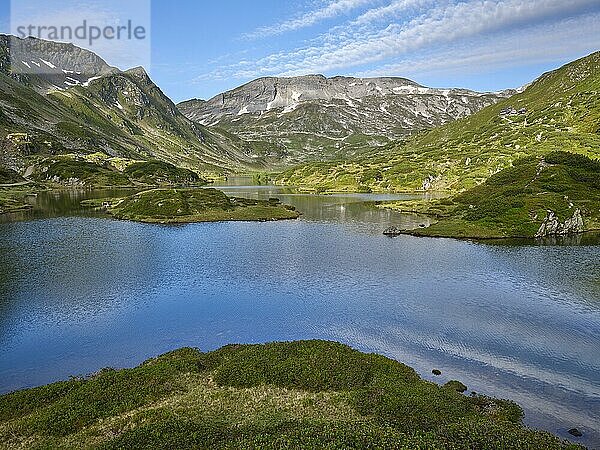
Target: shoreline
[(298, 385), (419, 232), (191, 205)]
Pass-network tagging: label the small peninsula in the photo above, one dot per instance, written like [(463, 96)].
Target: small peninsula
[(176, 206), (304, 394), (554, 195)]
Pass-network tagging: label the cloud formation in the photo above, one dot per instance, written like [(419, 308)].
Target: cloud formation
[(392, 10), (394, 37), (329, 11), (567, 37)]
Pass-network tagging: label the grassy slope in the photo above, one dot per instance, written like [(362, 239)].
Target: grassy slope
[(123, 114), (309, 394), (158, 172), (68, 170), (563, 113), (196, 205), (515, 201), (97, 170)]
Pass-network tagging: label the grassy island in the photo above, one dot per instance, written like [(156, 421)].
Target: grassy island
[(194, 205), (558, 194), (307, 394)]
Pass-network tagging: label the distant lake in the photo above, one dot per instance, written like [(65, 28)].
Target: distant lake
[(79, 292)]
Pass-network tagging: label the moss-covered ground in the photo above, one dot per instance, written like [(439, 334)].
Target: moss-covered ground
[(306, 394), (14, 199), (9, 176), (159, 172), (95, 171), (196, 205)]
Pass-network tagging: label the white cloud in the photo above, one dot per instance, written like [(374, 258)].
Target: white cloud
[(479, 26), (541, 44), (392, 10), (329, 11), (439, 26)]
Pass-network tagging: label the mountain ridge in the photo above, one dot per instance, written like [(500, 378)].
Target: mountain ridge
[(291, 82), (315, 117)]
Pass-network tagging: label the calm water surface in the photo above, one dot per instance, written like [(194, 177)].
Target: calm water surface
[(79, 292)]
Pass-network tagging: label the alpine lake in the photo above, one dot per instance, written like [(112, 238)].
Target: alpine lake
[(520, 320)]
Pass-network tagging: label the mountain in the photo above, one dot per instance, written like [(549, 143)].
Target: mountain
[(558, 111), (60, 99), (316, 118)]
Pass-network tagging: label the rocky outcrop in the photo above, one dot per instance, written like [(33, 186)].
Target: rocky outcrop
[(394, 231), (287, 94), (552, 226)]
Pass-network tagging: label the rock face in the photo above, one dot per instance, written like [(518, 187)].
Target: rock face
[(49, 65), (551, 226), (335, 110), (380, 97)]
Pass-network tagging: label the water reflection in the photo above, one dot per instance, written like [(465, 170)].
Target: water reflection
[(357, 211), (60, 203), (514, 321)]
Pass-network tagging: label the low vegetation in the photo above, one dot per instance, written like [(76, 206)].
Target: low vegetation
[(14, 199), (196, 205), (559, 111), (516, 201), (308, 394), (97, 170), (159, 172), (67, 170)]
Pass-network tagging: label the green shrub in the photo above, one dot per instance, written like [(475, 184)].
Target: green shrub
[(159, 172)]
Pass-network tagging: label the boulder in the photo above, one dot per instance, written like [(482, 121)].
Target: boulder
[(575, 432), (393, 231), (552, 226), (456, 386)]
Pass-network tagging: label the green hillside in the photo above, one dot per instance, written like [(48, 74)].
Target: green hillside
[(98, 170), (309, 394), (516, 201), (158, 172), (8, 176), (119, 113), (559, 111)]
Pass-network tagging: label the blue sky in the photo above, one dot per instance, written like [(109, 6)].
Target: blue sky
[(201, 48)]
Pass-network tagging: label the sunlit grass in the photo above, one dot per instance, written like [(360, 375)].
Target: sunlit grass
[(309, 394)]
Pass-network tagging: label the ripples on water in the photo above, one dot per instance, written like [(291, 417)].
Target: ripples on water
[(514, 321)]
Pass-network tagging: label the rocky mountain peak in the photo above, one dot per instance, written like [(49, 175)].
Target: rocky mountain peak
[(287, 94), (138, 73), (48, 65)]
